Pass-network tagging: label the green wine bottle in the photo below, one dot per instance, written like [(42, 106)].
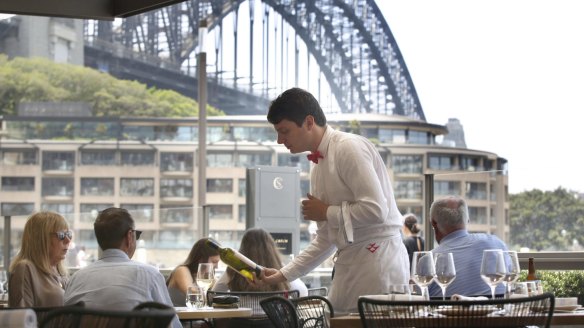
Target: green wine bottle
[(237, 261)]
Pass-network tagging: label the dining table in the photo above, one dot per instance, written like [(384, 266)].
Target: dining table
[(575, 318), (188, 314)]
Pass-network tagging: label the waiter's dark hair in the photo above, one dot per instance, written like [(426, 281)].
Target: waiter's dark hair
[(295, 105)]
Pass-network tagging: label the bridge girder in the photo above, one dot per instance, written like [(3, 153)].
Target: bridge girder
[(349, 39)]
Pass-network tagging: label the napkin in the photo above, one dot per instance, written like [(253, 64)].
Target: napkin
[(18, 318), (457, 297)]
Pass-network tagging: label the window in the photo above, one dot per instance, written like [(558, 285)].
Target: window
[(176, 188), (140, 212), (220, 212), (90, 211), (416, 210), (176, 214), (476, 190), (392, 136), (57, 187), (241, 213), (408, 164), (19, 157), (220, 185), (418, 137), (18, 183), (62, 209), (441, 162), (137, 187), (138, 157), (220, 160), (444, 188), (250, 160), (98, 157), (470, 163), (257, 134), (408, 189), (218, 133), (16, 209), (477, 215), (171, 162), (241, 187), (58, 161), (294, 160), (97, 186)]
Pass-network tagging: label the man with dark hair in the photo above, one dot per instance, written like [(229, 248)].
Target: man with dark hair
[(351, 200), (449, 217), (115, 282)]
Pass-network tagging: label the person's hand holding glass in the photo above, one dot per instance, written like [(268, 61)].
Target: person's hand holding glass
[(423, 271), (445, 271), (205, 277), (493, 268)]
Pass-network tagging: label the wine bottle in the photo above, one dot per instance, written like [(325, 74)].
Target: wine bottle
[(237, 261), (531, 270)]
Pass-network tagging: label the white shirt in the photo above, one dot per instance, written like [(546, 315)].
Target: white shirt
[(115, 282), (363, 222)]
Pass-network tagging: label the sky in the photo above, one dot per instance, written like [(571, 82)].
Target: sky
[(512, 72)]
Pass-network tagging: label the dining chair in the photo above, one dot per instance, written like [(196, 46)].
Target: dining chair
[(304, 312), (42, 311), (250, 300), (321, 291), (281, 312), (77, 317), (313, 311), (534, 311)]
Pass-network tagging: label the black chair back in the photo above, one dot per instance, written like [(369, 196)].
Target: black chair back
[(281, 312), (313, 311), (84, 317), (251, 300), (515, 312)]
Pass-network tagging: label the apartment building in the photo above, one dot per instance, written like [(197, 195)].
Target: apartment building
[(78, 166)]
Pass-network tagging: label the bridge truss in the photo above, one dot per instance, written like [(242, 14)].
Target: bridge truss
[(343, 49)]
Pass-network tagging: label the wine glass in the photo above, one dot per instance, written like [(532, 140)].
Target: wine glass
[(493, 268), (423, 271), (513, 270), (445, 271), (205, 277)]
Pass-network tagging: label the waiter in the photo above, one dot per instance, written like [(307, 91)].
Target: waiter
[(351, 200)]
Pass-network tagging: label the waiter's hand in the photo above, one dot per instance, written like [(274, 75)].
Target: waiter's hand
[(269, 276), (314, 209)]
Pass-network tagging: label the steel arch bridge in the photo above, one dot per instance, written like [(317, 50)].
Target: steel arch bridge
[(349, 40)]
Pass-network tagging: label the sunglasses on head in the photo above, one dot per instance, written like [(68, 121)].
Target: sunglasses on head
[(138, 233), (62, 234)]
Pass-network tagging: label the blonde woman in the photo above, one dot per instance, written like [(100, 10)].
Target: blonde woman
[(37, 273), (259, 246)]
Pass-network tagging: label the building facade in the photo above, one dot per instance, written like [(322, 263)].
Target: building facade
[(78, 166)]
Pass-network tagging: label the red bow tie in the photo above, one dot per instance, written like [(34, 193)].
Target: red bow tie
[(314, 156)]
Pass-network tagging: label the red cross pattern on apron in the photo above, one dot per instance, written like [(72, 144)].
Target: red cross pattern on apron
[(372, 247)]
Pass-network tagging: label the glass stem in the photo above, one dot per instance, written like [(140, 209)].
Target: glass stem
[(493, 291)]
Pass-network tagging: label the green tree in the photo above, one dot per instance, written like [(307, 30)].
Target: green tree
[(39, 79), (546, 220)]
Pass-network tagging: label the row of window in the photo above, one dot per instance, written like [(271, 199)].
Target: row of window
[(119, 131), (413, 164), (143, 213)]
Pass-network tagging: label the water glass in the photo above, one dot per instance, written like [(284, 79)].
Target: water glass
[(400, 292), (195, 298)]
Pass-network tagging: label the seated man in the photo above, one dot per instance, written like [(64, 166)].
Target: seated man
[(115, 282), (449, 218)]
